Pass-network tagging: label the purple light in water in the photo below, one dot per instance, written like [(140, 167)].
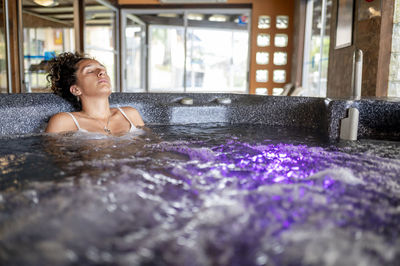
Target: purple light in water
[(328, 182), (257, 164), (278, 179), (273, 163)]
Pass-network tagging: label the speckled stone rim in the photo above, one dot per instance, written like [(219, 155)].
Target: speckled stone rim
[(379, 118)]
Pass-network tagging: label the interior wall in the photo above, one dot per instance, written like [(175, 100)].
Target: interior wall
[(371, 36), (259, 7)]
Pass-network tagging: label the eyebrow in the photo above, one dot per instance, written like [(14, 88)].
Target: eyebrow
[(90, 65)]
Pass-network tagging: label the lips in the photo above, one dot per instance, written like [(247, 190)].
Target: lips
[(103, 81)]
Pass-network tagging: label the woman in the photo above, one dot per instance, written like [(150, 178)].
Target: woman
[(84, 80)]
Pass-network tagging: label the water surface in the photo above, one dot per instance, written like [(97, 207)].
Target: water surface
[(199, 195)]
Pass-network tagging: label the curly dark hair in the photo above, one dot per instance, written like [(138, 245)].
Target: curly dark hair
[(62, 74)]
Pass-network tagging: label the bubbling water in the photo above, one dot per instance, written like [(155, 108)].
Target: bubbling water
[(205, 195)]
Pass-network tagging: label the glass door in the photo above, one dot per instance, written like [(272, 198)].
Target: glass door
[(186, 50), (316, 48), (217, 52), (166, 58), (101, 35), (3, 53), (133, 54), (47, 30)]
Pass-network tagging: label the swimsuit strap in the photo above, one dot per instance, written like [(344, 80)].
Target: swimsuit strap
[(75, 121), (127, 118)]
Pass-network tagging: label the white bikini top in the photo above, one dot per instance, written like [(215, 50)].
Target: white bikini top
[(132, 129)]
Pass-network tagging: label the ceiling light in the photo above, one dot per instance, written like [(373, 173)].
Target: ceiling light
[(46, 2), (195, 16), (218, 18), (168, 15)]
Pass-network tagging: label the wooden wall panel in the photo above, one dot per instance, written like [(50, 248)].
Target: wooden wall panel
[(369, 44), (271, 8), (15, 47), (373, 36)]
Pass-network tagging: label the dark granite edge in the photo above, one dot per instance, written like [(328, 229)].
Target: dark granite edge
[(379, 117)]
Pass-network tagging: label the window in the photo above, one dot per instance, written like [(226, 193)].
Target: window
[(45, 33), (262, 58), (49, 31), (101, 35), (316, 48), (264, 22), (215, 60), (273, 60), (262, 75), (280, 58), (281, 40), (133, 54), (279, 76), (263, 40), (166, 59), (282, 22), (277, 91), (394, 76), (187, 51), (3, 55), (262, 91)]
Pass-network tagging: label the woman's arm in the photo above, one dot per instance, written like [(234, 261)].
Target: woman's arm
[(60, 122)]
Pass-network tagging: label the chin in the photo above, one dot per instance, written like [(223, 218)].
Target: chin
[(106, 88)]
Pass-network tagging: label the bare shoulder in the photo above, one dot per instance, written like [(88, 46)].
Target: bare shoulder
[(133, 115), (60, 122)]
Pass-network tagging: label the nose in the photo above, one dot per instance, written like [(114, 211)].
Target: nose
[(102, 72)]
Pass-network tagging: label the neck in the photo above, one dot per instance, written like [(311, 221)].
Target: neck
[(98, 108)]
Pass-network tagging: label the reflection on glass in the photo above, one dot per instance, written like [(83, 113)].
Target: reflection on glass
[(38, 49), (262, 58), (262, 75), (261, 91), (394, 66), (279, 76), (3, 67), (264, 22), (315, 71), (277, 91), (281, 40), (282, 22), (133, 61), (263, 40), (166, 47), (215, 60), (280, 58), (344, 27), (100, 37), (46, 33)]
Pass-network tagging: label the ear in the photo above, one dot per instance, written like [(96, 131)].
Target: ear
[(75, 90)]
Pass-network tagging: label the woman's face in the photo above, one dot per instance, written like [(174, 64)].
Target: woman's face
[(92, 79)]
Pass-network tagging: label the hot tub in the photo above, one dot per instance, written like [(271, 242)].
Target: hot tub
[(257, 181)]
